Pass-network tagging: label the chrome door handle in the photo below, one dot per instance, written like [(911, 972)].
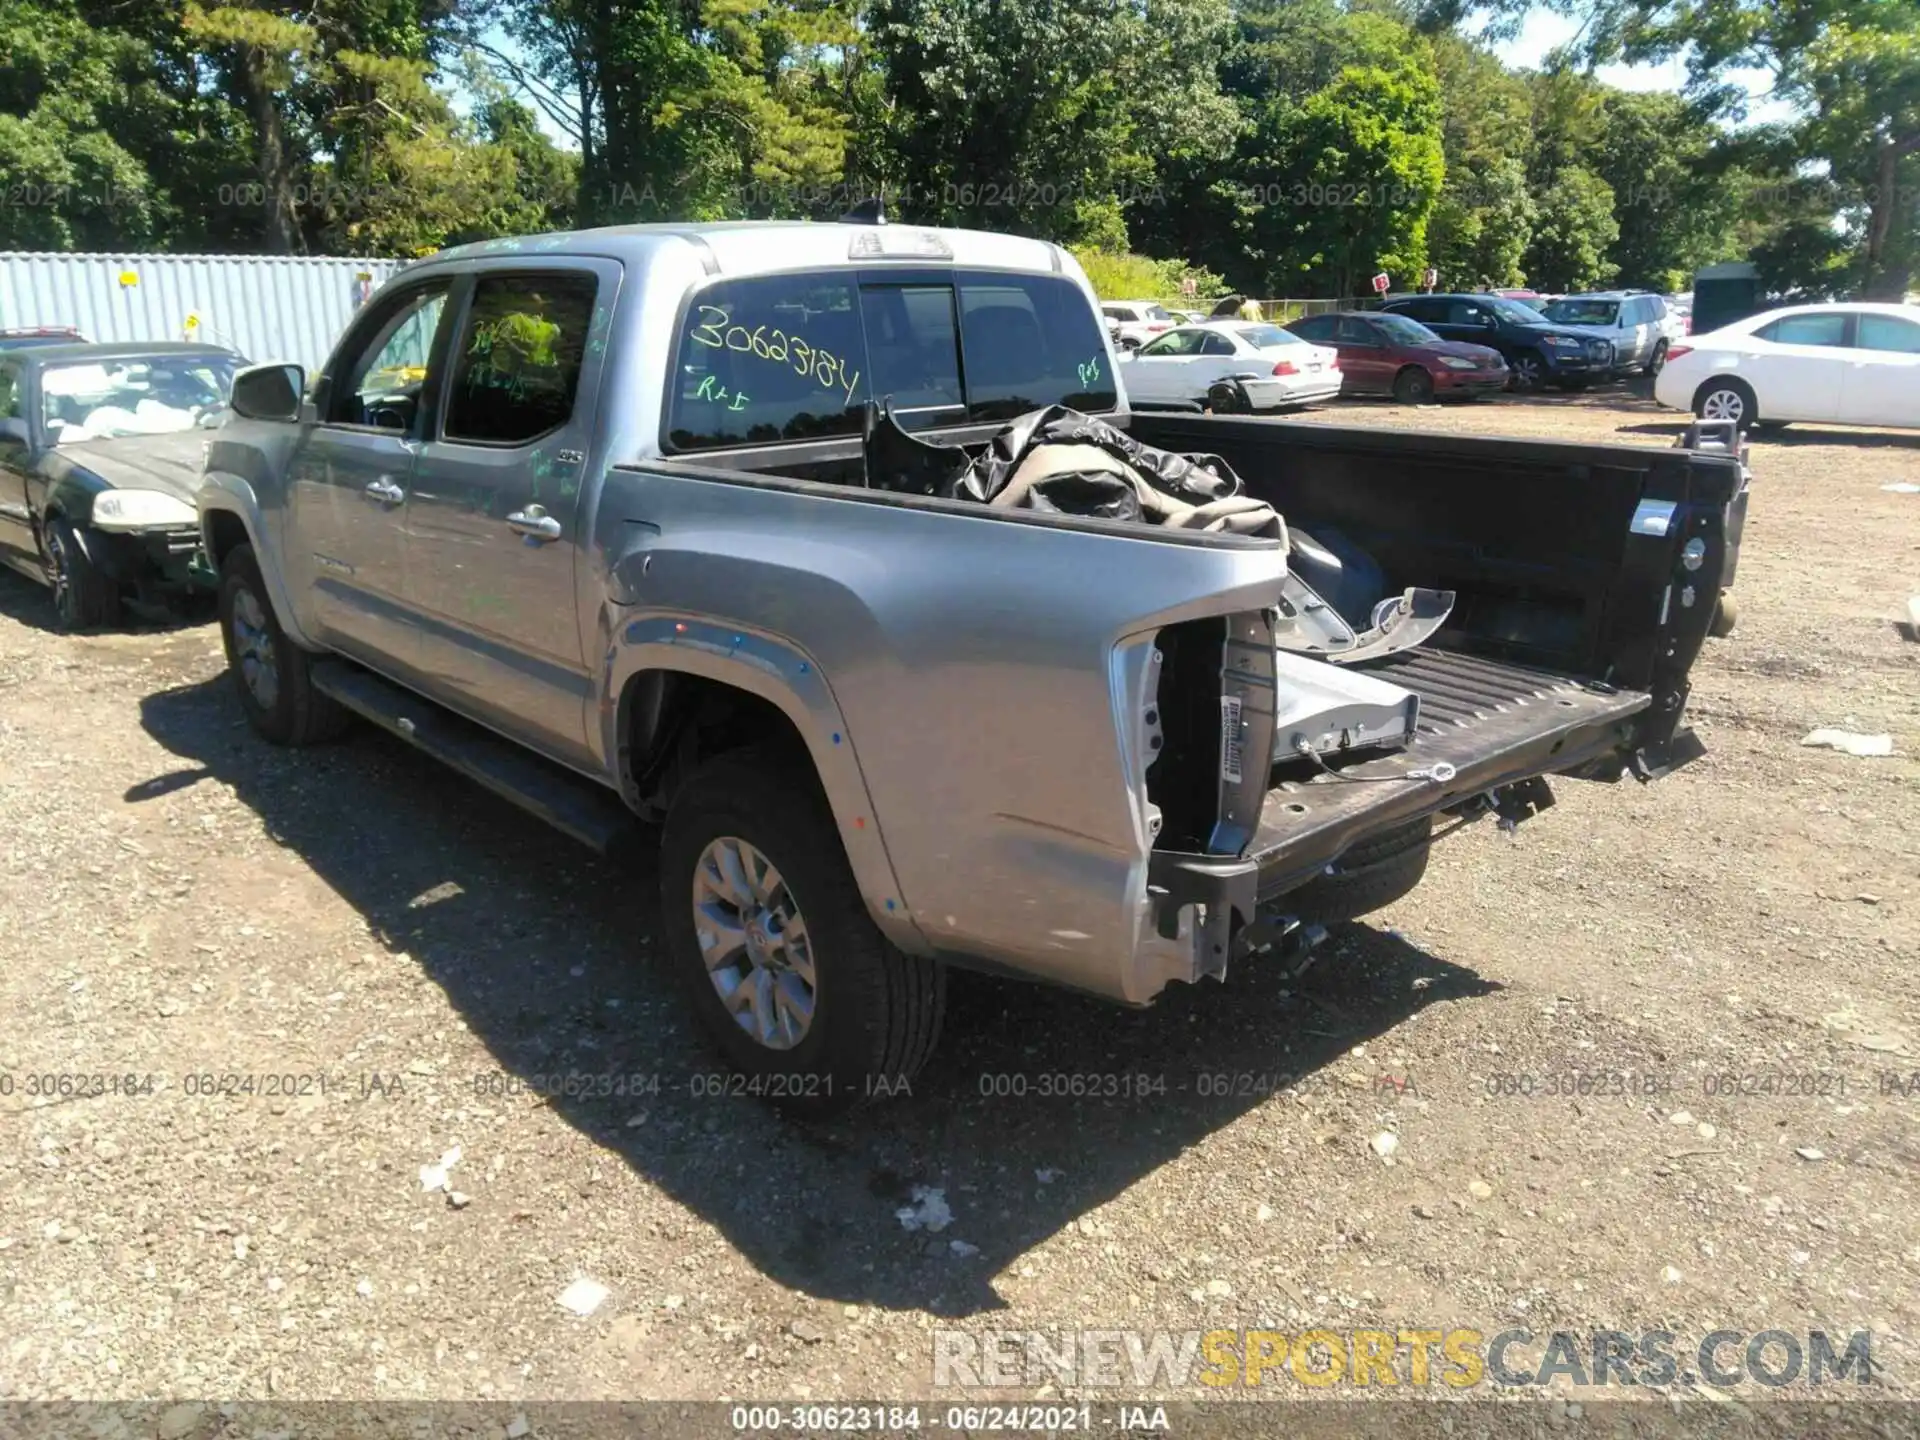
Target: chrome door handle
[(386, 492), (534, 523)]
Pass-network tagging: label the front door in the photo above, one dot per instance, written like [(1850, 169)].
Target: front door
[(1363, 358), (1882, 382), (493, 521), (16, 525), (348, 482), (1165, 370), (1796, 373)]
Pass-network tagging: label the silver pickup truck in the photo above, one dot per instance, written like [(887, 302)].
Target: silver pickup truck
[(588, 517)]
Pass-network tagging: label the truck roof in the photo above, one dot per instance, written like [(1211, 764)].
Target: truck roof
[(751, 246)]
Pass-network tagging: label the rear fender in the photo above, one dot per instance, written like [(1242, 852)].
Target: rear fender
[(778, 671)]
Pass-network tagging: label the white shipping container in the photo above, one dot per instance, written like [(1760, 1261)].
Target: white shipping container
[(267, 307)]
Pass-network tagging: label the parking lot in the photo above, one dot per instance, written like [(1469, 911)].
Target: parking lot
[(305, 976)]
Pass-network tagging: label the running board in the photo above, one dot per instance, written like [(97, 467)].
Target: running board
[(590, 813)]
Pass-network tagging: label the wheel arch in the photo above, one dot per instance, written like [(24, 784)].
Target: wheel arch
[(230, 516), (679, 691)]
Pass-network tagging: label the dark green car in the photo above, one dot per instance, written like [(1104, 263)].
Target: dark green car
[(101, 450)]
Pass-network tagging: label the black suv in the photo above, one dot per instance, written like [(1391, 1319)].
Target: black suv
[(1537, 349)]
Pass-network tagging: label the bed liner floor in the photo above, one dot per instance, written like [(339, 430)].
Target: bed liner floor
[(1493, 721)]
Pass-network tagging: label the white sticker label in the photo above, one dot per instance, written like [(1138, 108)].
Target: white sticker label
[(1230, 739)]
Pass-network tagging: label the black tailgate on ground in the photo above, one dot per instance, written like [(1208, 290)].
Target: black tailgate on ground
[(1491, 721)]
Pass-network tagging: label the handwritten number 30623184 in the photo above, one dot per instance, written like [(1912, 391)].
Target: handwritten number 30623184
[(775, 346)]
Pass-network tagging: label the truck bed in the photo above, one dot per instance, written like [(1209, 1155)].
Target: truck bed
[(1493, 721)]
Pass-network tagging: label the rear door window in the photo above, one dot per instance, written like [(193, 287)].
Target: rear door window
[(1888, 332), (774, 357)]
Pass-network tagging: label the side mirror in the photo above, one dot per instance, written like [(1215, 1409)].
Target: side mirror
[(269, 392), (13, 429)]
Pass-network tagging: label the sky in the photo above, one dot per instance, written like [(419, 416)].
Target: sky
[(1544, 31)]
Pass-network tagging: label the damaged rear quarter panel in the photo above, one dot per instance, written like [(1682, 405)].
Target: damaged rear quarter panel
[(987, 668)]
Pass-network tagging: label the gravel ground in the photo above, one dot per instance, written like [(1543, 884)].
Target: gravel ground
[(179, 900)]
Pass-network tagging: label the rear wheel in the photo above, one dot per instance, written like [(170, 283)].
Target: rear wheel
[(1725, 398), (770, 940), (1228, 397), (83, 597), (272, 675), (1413, 386), (1658, 359)]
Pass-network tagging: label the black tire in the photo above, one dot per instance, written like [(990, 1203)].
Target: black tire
[(292, 712), (1769, 427), (1529, 371), (1725, 397), (1228, 397), (83, 597), (1413, 386), (1372, 874), (1657, 360), (876, 1013)]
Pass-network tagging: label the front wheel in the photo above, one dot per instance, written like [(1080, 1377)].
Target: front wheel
[(272, 675), (1529, 371), (1413, 386), (771, 941), (83, 597)]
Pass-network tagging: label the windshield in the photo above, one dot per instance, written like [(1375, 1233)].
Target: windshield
[(1265, 337), (133, 395), (1404, 330), (1512, 311), (1583, 312)]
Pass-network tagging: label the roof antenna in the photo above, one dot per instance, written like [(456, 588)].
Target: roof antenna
[(871, 211)]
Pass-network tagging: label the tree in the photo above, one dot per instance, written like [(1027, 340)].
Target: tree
[(1676, 205), (1574, 226), (1046, 116), (1356, 171), (67, 93), (1852, 67), (1483, 220)]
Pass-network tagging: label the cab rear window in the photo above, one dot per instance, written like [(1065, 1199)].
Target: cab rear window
[(774, 358)]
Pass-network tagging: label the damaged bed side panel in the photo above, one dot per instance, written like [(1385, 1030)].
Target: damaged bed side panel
[(995, 674)]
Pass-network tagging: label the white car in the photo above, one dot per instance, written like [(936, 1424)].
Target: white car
[(1279, 368), (1139, 320), (1854, 364)]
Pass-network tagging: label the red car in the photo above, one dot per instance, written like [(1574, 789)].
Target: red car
[(1386, 354)]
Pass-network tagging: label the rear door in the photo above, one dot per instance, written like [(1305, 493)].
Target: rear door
[(1882, 381), (493, 524), (1796, 368), (348, 480)]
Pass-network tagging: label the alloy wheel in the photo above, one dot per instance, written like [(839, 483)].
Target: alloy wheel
[(1724, 405), (57, 572), (754, 942), (1526, 373), (253, 649)]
